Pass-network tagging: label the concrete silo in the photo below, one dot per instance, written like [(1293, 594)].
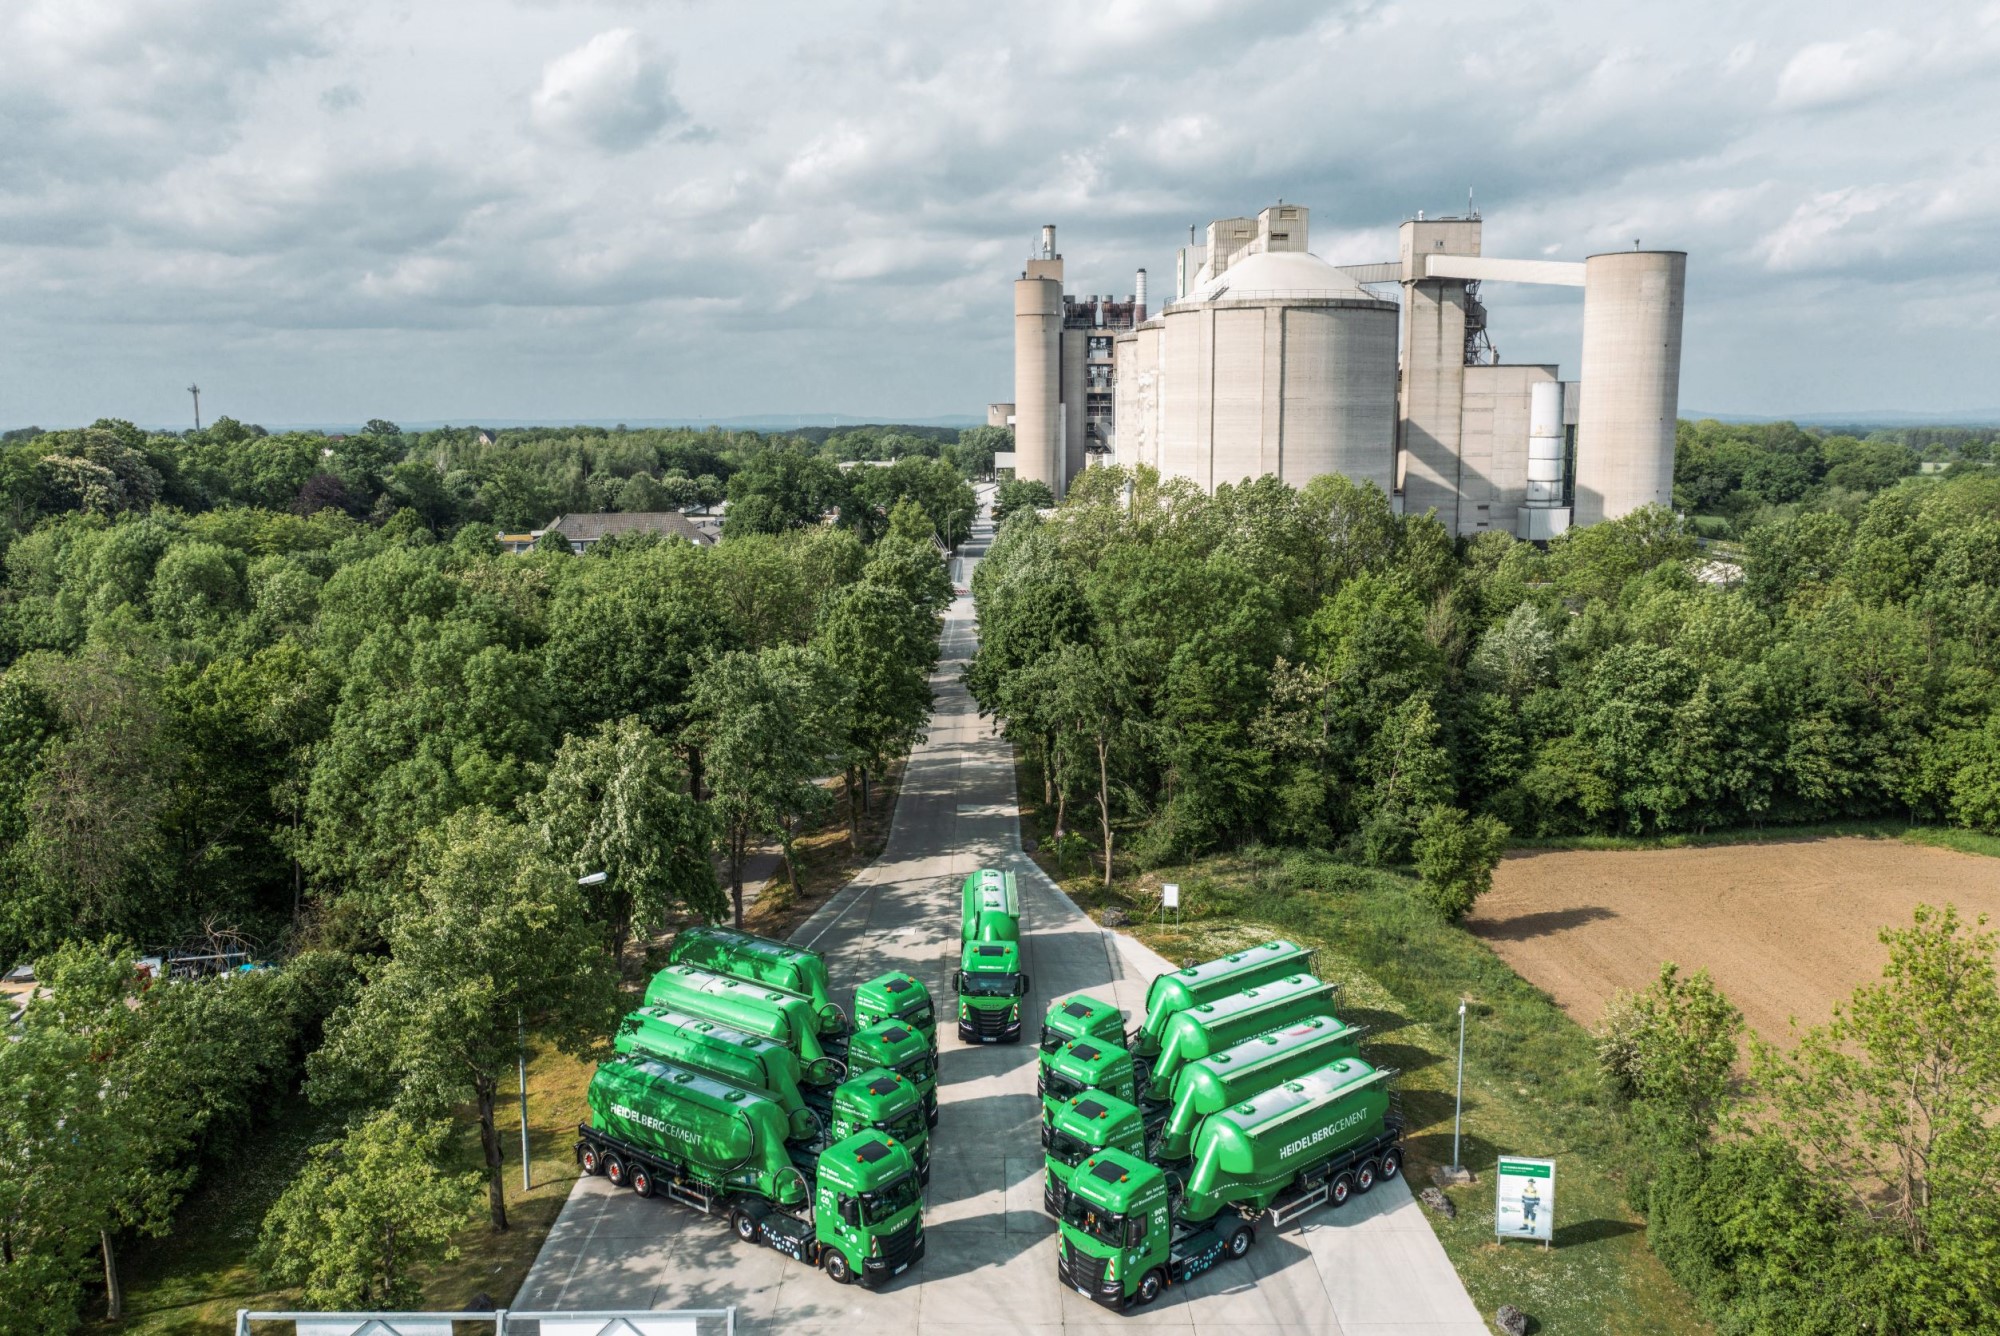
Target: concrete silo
[(1038, 323), (1632, 305)]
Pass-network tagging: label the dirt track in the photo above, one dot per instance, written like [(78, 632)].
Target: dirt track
[(1785, 929)]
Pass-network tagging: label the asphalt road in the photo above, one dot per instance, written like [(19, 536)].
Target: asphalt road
[(1370, 1268)]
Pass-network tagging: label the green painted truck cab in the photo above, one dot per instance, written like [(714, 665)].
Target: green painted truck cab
[(1119, 1242), (1213, 1026), (739, 1058), (879, 1100), (905, 1052), (897, 996), (990, 989), (1082, 1127), (1211, 981), (1081, 1017), (868, 1210), (752, 1007), (1211, 1084), (754, 959), (1080, 1067)]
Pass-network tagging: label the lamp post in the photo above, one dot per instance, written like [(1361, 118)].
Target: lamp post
[(1458, 1106), (521, 1038)]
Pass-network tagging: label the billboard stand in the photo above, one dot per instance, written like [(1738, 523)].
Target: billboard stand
[(1524, 1198)]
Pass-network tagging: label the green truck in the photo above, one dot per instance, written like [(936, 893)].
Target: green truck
[(754, 959), (897, 996), (1084, 1065), (1213, 1026), (1211, 981), (1126, 1234), (1211, 1084), (1081, 1017), (741, 1059), (856, 1208), (1082, 1127), (904, 1051), (878, 1099), (988, 981), (753, 1008)]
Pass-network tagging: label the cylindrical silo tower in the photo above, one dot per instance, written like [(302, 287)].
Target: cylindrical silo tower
[(1632, 303), (1038, 307)]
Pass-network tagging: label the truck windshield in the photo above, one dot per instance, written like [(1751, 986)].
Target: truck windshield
[(1102, 1225), (1053, 1039), (904, 1128), (1068, 1149), (916, 1069), (989, 985), (1058, 1086), (879, 1205), (918, 1015)]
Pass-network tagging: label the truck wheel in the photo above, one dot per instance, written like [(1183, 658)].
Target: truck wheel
[(588, 1158), (746, 1228), (1343, 1188), (1392, 1164), (1150, 1286), (837, 1267), (614, 1169), (1240, 1241), (1364, 1177), (642, 1180)]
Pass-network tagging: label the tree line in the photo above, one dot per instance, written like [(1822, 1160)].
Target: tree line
[(1305, 667), (388, 755)]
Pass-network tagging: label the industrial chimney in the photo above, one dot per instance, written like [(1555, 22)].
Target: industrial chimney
[(1048, 241), (1139, 297)]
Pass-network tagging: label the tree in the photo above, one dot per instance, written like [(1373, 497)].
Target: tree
[(881, 647), (1456, 855), (1408, 774), (1672, 1047), (1018, 494), (364, 1211), (1090, 701), (490, 943), (617, 801), (785, 488)]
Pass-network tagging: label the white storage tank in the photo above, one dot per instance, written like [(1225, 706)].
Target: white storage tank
[(1632, 304)]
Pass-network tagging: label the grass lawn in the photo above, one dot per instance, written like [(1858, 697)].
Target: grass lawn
[(1942, 837)]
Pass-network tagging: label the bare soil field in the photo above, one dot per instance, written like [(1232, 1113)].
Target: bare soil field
[(1786, 929)]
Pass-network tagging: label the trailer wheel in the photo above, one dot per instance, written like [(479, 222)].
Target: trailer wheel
[(1150, 1286), (614, 1169), (589, 1159), (837, 1266), (744, 1224), (642, 1180), (1392, 1164), (1240, 1241), (1364, 1177), (1343, 1188)]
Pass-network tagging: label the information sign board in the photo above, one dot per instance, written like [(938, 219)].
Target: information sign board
[(1526, 1205)]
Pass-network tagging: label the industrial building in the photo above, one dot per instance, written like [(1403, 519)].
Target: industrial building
[(1271, 360)]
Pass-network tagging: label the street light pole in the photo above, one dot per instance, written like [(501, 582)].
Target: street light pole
[(1458, 1108)]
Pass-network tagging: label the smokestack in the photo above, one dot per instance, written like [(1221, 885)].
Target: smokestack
[(1139, 297), (1048, 241)]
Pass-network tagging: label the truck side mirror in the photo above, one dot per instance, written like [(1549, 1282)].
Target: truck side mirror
[(958, 981), (850, 1211), (1021, 989)]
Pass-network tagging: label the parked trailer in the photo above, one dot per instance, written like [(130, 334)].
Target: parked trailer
[(1214, 1026), (1082, 1127), (989, 907), (1211, 1084), (754, 959), (1081, 1017), (902, 1050), (754, 1008), (735, 1056), (661, 1129), (1126, 1235), (897, 996), (1171, 994)]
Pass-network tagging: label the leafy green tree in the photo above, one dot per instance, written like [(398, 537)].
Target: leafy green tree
[(1672, 1047), (1407, 774), (1456, 855), (785, 488), (617, 801), (490, 944), (365, 1212), (1018, 494), (882, 647)]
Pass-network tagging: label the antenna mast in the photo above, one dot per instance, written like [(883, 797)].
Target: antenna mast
[(195, 390)]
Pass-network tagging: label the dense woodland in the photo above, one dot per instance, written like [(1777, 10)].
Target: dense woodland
[(286, 692)]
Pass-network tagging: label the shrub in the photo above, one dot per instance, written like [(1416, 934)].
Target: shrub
[(1456, 855)]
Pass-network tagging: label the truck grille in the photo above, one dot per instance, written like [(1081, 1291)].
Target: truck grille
[(989, 1022), (1079, 1269), (898, 1247)]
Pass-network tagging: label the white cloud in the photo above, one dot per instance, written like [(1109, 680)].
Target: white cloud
[(1828, 74), (613, 91)]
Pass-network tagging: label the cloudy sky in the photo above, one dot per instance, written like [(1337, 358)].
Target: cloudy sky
[(325, 210)]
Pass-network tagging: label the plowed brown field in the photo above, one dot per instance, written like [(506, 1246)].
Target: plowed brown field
[(1786, 929)]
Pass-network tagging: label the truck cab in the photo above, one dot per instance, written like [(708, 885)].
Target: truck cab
[(1082, 1127), (1081, 1017), (990, 986), (868, 1210), (1120, 1243), (902, 1050), (897, 996), (1080, 1067), (879, 1100)]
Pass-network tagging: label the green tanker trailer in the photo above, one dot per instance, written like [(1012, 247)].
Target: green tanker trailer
[(664, 1129), (1214, 1026), (988, 981), (904, 1051), (1171, 994), (1081, 1017), (1125, 1236), (1211, 1084), (757, 1009), (897, 996), (1082, 1127), (742, 1059), (754, 959)]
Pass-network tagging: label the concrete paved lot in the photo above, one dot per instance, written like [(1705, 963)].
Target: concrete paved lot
[(1371, 1268)]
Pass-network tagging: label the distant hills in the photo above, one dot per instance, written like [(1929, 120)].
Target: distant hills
[(751, 422)]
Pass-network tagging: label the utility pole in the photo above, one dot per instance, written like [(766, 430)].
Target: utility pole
[(195, 390), (1458, 1105)]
